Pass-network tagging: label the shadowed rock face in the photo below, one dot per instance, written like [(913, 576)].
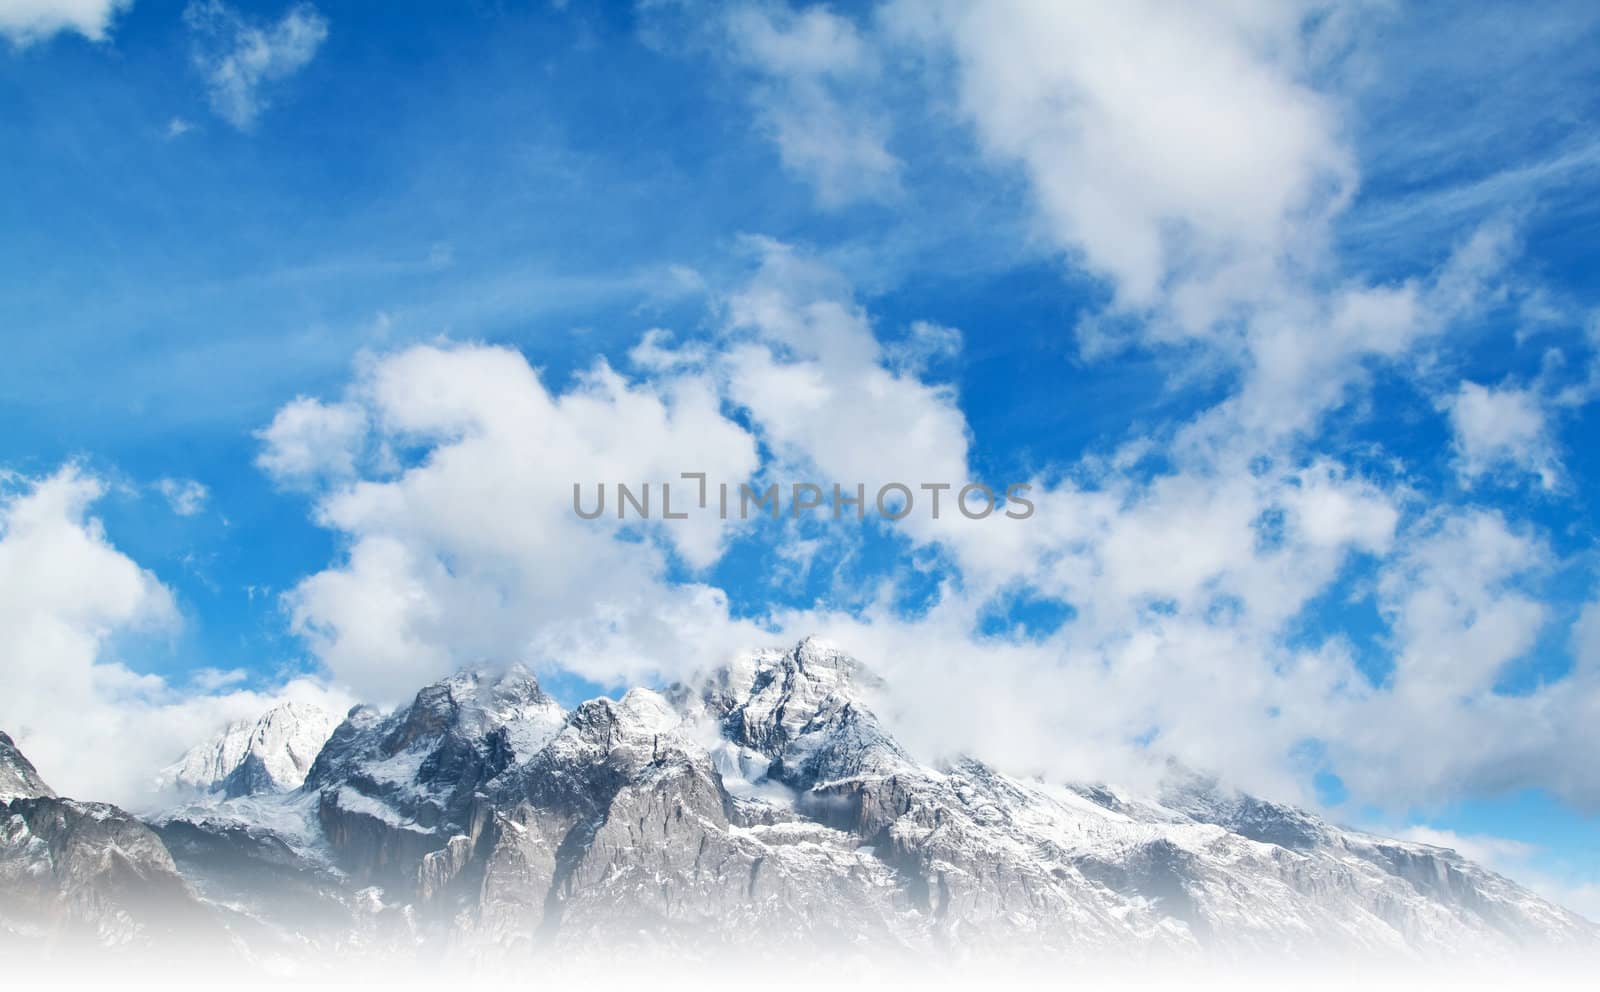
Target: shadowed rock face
[(766, 804), (394, 789), (87, 874)]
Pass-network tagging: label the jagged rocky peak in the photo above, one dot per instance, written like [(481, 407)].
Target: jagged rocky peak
[(472, 703), (391, 786), (639, 713), (775, 692), (271, 753), (18, 778), (805, 710), (625, 732), (504, 710)]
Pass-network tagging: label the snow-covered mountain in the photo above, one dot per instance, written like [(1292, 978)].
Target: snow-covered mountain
[(765, 805), (268, 754), (76, 874)]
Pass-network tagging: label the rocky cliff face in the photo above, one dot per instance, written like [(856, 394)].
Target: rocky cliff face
[(765, 805)]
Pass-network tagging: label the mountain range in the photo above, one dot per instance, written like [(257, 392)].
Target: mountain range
[(763, 805)]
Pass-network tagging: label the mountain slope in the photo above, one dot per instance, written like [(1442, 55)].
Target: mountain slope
[(83, 873), (766, 805), (18, 779)]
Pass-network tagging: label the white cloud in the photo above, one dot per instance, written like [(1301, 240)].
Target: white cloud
[(1184, 585), (1304, 351), (186, 496), (1586, 638), (212, 679), (1186, 154), (309, 441), (1502, 431), (27, 21), (815, 381), (1169, 144), (96, 728), (812, 66), (1482, 848), (1460, 600), (474, 552), (1459, 615), (240, 58)]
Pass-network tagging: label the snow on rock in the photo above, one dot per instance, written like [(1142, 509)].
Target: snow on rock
[(272, 753), (18, 779)]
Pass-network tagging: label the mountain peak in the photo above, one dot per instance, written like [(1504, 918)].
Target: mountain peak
[(18, 777), (806, 709), (473, 702), (813, 670), (271, 753)]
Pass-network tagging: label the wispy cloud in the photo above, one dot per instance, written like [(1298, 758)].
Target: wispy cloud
[(811, 67), (186, 496), (241, 58)]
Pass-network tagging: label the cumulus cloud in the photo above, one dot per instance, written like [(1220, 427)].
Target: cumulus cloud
[(1189, 160), (1170, 144), (96, 728), (1184, 587), (310, 441), (241, 59), (25, 22), (471, 550), (1502, 431), (803, 359), (810, 68)]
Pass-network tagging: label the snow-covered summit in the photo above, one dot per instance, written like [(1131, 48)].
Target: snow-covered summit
[(272, 753)]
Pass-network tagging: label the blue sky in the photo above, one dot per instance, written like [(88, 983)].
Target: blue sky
[(1333, 259)]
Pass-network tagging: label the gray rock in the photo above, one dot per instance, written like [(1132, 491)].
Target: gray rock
[(83, 874), (18, 779)]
